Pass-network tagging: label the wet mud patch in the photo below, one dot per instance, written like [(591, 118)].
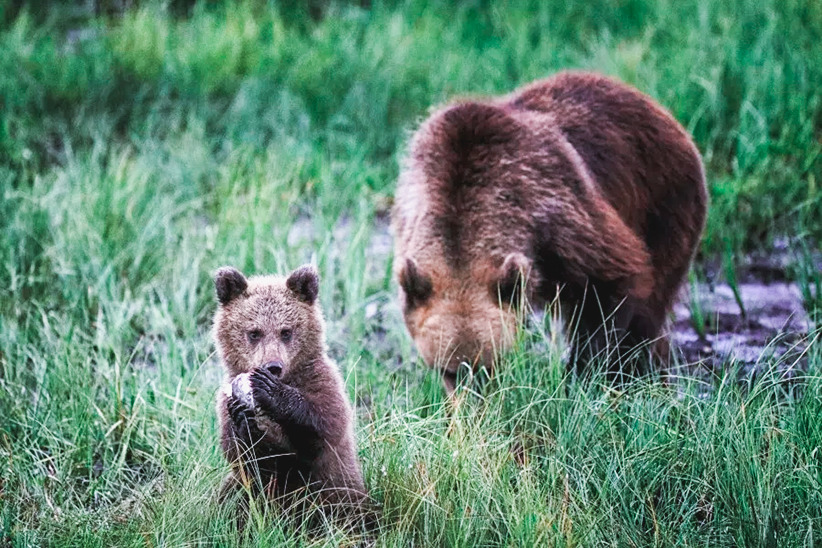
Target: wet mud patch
[(772, 328)]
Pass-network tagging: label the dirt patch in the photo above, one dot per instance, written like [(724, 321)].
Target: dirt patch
[(774, 325)]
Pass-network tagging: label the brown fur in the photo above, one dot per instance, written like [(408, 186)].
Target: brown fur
[(299, 439), (577, 181)]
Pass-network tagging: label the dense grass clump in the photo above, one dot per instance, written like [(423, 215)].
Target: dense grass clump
[(140, 150)]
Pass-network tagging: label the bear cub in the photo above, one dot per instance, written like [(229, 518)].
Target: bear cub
[(286, 422)]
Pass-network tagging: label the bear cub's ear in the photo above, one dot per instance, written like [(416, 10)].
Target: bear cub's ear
[(229, 283), (305, 282)]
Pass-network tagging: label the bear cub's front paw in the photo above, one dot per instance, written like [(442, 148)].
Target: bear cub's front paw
[(269, 392), (242, 417)]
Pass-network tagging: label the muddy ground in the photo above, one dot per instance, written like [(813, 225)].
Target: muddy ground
[(774, 325), (764, 322)]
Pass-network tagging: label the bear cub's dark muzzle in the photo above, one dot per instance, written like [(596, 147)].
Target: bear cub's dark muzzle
[(275, 367)]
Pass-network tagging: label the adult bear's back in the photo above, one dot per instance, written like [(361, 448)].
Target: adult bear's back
[(645, 164)]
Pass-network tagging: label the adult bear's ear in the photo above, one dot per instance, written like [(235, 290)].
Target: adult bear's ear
[(514, 277), (229, 283), (305, 283), (416, 285)]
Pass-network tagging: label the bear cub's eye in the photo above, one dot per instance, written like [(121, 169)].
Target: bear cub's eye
[(254, 335), (286, 334)]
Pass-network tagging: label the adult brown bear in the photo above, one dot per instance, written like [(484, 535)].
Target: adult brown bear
[(578, 181)]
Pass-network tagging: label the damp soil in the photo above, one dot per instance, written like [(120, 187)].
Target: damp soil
[(771, 326), (763, 322)]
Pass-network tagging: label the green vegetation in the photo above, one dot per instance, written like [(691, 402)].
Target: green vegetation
[(140, 151)]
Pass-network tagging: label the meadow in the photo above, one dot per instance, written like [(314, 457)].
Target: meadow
[(141, 149)]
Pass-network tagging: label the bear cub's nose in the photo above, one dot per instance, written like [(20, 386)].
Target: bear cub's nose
[(275, 367)]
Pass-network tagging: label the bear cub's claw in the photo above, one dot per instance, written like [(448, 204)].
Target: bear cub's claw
[(238, 411), (243, 418), (269, 392)]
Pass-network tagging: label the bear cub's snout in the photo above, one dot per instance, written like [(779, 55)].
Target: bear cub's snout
[(274, 367)]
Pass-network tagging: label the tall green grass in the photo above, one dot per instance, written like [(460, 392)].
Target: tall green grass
[(140, 151)]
